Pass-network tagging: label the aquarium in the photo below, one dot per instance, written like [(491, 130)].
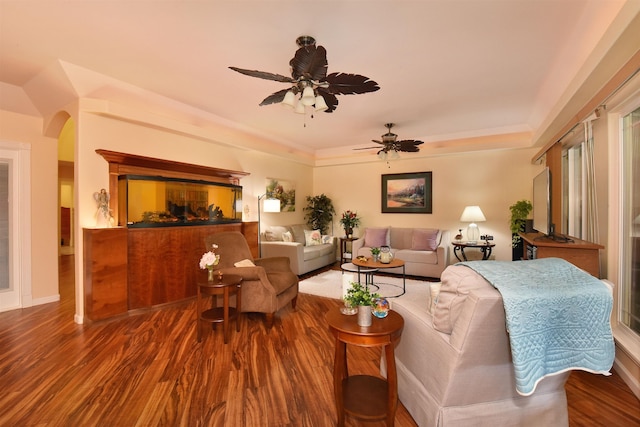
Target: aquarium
[(149, 201)]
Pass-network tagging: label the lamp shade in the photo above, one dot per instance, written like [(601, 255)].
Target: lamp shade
[(308, 97), (472, 214), (321, 105), (299, 108), (289, 99), (271, 205)]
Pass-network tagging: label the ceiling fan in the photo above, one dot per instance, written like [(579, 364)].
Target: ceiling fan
[(310, 84), (391, 146)]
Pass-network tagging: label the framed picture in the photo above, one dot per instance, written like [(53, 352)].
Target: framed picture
[(406, 193), (285, 191)]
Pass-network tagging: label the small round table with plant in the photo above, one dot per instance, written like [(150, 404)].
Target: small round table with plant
[(365, 397)]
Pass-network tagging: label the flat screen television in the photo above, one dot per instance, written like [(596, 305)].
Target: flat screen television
[(542, 203)]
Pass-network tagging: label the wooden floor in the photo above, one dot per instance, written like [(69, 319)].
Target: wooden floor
[(148, 370)]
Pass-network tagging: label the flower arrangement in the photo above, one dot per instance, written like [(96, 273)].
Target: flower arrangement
[(358, 295), (349, 219), (210, 259)]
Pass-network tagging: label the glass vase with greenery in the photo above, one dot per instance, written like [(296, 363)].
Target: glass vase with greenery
[(358, 295)]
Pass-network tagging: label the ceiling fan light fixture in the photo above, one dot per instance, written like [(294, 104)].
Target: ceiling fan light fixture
[(300, 108), (308, 97), (394, 155), (289, 99), (320, 104), (382, 155)]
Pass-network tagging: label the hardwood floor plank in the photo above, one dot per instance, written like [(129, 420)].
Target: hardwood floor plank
[(148, 370)]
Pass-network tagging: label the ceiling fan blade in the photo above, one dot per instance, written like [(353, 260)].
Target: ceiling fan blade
[(366, 148), (350, 84), (329, 98), (309, 62), (408, 145), (264, 75), (378, 142), (274, 98)]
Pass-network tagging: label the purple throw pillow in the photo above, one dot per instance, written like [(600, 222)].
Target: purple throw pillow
[(376, 237), (424, 240)]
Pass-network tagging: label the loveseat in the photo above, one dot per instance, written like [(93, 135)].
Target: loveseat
[(454, 362), (306, 249), (425, 251)]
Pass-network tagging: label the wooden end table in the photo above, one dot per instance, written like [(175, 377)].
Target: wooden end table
[(225, 286), (365, 397), (345, 255), (377, 265)]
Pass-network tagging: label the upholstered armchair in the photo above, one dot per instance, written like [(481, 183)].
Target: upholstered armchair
[(267, 286)]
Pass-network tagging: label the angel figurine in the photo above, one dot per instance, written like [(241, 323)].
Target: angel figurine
[(103, 213)]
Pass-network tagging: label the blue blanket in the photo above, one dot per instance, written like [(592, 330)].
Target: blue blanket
[(557, 317)]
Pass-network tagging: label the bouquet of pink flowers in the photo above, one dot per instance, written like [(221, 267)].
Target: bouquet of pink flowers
[(210, 259)]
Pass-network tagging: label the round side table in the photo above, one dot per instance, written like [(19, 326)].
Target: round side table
[(365, 397), (225, 286)]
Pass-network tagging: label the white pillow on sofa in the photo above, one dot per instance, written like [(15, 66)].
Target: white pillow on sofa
[(312, 237), (287, 237)]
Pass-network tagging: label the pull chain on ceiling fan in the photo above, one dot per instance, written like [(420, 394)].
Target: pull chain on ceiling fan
[(311, 86), (391, 147)]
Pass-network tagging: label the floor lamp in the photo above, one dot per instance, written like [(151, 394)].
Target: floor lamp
[(270, 205)]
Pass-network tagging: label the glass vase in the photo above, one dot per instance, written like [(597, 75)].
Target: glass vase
[(210, 276), (364, 315)]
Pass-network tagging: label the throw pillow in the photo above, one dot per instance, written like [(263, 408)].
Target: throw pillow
[(297, 230), (435, 291), (424, 240), (244, 263), (274, 233), (312, 237), (326, 239), (376, 237), (287, 236)]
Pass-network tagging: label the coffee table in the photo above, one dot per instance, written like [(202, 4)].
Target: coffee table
[(377, 265), (365, 397), (368, 273)]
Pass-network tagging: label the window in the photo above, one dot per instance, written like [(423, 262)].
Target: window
[(572, 179), (629, 310)]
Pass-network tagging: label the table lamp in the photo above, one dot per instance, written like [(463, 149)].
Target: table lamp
[(472, 214)]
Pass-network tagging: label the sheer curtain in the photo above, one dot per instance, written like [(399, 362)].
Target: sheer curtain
[(590, 230)]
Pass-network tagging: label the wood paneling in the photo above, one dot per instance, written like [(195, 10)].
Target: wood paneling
[(105, 272), (163, 262)]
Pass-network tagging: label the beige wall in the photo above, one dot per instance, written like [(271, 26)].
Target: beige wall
[(493, 180), (44, 201)]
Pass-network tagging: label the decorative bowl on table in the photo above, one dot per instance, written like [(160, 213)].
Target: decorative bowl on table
[(380, 308)]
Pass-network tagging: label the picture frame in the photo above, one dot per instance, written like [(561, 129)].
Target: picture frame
[(407, 193), (283, 190)]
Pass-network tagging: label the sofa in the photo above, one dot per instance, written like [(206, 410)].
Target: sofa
[(306, 249), (454, 362), (425, 251)]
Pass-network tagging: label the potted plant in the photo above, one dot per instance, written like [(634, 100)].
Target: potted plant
[(319, 212), (375, 252), (349, 221), (359, 296), (519, 213)]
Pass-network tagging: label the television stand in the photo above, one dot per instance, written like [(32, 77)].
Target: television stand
[(582, 254)]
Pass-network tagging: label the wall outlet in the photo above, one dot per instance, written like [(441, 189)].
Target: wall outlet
[(486, 237)]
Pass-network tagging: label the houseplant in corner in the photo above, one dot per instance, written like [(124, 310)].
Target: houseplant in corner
[(319, 212), (519, 212), (359, 296)]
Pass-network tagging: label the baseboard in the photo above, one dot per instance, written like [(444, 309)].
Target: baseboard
[(45, 300), (626, 376)]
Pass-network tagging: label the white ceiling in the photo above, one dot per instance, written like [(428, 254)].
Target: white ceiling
[(447, 69)]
